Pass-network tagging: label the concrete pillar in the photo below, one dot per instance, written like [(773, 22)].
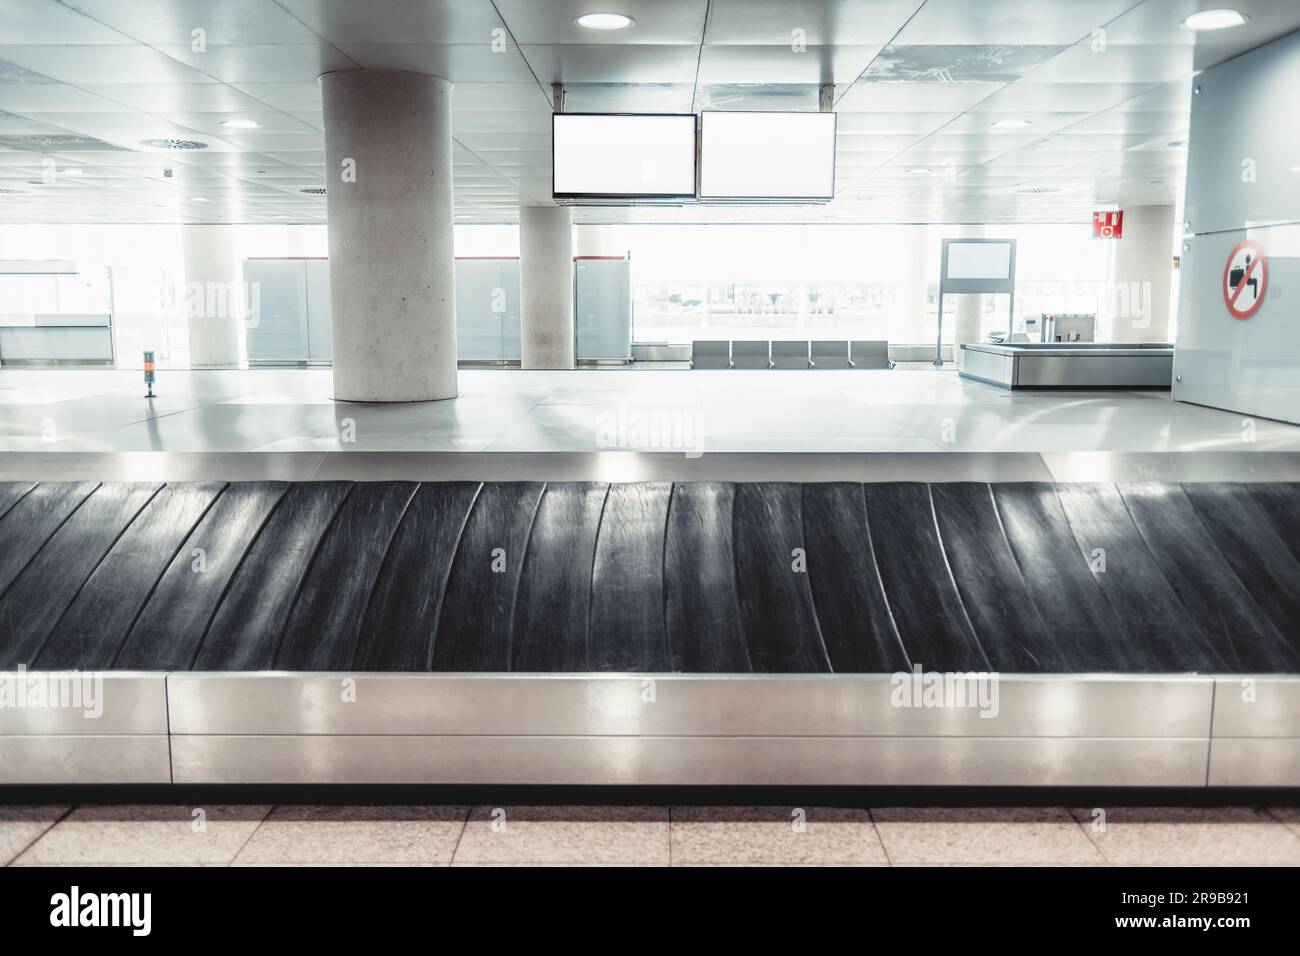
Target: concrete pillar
[(214, 295), (392, 269), (1136, 302), (546, 287)]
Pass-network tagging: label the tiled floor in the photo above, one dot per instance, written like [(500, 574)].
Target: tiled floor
[(645, 836), (919, 410)]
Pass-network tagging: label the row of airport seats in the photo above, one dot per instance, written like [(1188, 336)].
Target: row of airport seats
[(715, 354)]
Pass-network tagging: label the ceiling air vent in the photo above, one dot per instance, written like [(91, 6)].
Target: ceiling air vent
[(1038, 190), (171, 143), (4, 191), (313, 190)]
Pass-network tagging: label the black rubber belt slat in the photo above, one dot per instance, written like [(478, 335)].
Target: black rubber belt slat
[(701, 609), (922, 595), (322, 631), (1059, 582), (474, 627), (626, 621), (92, 630), (1008, 624), (169, 630), (1132, 582), (397, 631), (1281, 502), (31, 522), (12, 492), (551, 603), (251, 617), (1263, 563), (777, 617), (39, 596), (856, 626), (1205, 582)]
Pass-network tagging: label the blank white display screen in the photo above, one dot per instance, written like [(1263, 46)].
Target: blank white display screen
[(623, 156), (979, 260), (767, 155)]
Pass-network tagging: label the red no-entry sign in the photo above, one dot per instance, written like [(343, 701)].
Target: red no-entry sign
[(1245, 279)]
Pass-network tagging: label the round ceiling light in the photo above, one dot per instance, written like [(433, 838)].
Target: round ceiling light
[(1221, 19), (241, 124), (198, 199), (1012, 124), (605, 21), (169, 143), (1038, 190)]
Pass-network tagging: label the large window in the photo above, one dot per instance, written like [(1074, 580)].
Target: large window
[(848, 281)]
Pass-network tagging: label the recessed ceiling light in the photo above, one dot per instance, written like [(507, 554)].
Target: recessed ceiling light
[(1012, 124), (1037, 190), (919, 171), (72, 171), (604, 21), (1221, 19), (241, 124), (198, 199)]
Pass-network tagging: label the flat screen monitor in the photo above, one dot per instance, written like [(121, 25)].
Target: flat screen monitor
[(979, 260), (781, 156), (623, 156)]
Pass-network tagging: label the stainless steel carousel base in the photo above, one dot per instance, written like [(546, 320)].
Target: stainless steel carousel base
[(660, 729)]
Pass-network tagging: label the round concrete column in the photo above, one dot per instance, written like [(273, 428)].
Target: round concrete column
[(392, 261), (546, 287), (213, 296)]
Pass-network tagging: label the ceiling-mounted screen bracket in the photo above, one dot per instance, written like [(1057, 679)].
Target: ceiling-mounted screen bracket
[(826, 98), (557, 97)]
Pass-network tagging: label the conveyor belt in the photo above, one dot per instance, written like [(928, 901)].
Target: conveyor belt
[(695, 578)]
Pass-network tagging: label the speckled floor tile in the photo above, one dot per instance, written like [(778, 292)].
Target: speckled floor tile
[(775, 835), (983, 835), (21, 825), (1192, 836), (565, 835), (147, 834), (361, 835)]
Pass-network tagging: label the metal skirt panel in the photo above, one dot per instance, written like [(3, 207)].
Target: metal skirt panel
[(79, 759), (671, 705), (676, 761)]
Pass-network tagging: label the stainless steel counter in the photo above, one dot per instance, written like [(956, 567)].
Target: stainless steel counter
[(1070, 365)]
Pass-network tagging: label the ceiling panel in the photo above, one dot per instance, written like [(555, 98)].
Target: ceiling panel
[(752, 63), (161, 22), (90, 64), (1010, 21), (48, 21), (791, 23), (460, 62), (263, 63), (552, 21), (398, 21), (1104, 86)]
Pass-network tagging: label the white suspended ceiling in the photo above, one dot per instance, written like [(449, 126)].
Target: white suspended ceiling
[(1104, 86)]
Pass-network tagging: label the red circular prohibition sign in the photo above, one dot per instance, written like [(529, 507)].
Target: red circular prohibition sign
[(1258, 264)]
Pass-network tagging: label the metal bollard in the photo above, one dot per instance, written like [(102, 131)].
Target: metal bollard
[(149, 373)]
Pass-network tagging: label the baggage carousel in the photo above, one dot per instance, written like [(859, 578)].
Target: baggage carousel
[(667, 632)]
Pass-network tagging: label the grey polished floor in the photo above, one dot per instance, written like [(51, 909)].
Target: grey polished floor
[(587, 410)]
